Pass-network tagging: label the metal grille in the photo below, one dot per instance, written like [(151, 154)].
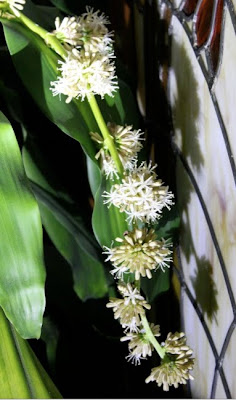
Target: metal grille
[(187, 10)]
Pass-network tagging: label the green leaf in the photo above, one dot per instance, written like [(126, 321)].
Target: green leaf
[(21, 374), (22, 273), (108, 223), (168, 226), (121, 108), (88, 272), (159, 283), (50, 336), (69, 235)]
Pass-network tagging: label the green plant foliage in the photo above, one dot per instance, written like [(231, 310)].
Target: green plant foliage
[(108, 223), (21, 374), (69, 235), (22, 273), (159, 283), (166, 228), (76, 119)]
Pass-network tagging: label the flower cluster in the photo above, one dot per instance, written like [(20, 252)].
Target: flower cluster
[(140, 194), (88, 31), (175, 365), (88, 67), (128, 144), (139, 345), (139, 252), (130, 308), (9, 7)]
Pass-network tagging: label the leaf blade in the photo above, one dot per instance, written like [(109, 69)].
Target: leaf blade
[(22, 273), (21, 374)]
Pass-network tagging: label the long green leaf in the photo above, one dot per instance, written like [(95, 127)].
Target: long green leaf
[(108, 223), (22, 273), (69, 235), (21, 374)]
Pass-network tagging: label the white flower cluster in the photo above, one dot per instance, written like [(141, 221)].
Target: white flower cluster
[(139, 252), (175, 366), (128, 144), (140, 195), (130, 308), (89, 66), (13, 6), (139, 345)]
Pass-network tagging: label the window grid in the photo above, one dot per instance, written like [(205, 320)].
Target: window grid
[(210, 77)]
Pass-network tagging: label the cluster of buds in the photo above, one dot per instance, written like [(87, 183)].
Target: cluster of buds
[(139, 252), (176, 363), (88, 69), (129, 309), (128, 144)]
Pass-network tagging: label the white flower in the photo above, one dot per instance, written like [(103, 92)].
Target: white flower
[(138, 252), (140, 195), (14, 5), (94, 33), (66, 31), (139, 345), (128, 144), (135, 358), (129, 309), (83, 74), (88, 32)]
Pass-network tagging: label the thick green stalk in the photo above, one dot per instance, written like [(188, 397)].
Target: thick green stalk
[(151, 337), (108, 139), (50, 39)]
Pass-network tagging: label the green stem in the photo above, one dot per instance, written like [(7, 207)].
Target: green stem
[(49, 38), (149, 335), (105, 133), (55, 44)]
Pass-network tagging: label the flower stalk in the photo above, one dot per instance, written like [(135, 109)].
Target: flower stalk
[(55, 44), (51, 40), (86, 69), (105, 133), (149, 335)]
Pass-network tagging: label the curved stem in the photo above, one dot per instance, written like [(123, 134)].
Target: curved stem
[(151, 337), (50, 39), (105, 133), (55, 44)]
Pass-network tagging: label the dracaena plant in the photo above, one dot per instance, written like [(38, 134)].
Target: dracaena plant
[(80, 85)]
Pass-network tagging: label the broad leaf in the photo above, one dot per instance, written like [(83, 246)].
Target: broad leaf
[(108, 222), (21, 374), (166, 228), (69, 235), (22, 272), (159, 283)]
